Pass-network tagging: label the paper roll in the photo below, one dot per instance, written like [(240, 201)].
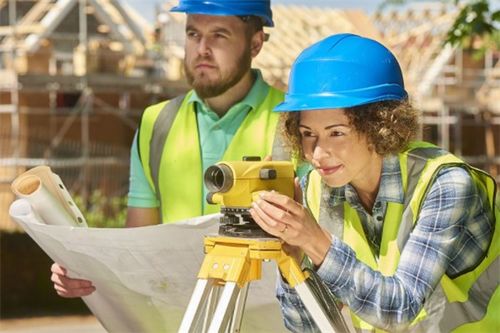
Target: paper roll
[(48, 197), (47, 207), (21, 209)]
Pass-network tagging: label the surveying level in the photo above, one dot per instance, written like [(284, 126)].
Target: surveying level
[(231, 263), (236, 184), (234, 257)]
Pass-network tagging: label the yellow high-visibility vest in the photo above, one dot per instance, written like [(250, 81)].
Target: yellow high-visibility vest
[(472, 300), (176, 176)]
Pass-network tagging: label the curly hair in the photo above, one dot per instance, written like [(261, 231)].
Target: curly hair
[(388, 126)]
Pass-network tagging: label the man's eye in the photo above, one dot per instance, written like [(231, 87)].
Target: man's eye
[(220, 36), (191, 34)]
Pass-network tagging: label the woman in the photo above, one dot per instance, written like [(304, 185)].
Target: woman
[(405, 229)]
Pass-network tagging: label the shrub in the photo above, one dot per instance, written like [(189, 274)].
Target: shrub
[(102, 211)]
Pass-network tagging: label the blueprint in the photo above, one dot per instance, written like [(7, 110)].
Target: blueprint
[(143, 276)]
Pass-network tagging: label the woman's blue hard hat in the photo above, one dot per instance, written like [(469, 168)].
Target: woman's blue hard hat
[(342, 71)]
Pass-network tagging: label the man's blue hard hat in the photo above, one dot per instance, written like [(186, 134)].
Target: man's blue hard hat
[(342, 71), (261, 8)]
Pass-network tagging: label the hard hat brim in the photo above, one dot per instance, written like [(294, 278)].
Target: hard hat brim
[(334, 101), (209, 8)]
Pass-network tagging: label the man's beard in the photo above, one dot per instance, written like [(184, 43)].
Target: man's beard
[(206, 88)]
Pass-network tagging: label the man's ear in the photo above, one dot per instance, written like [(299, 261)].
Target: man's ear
[(257, 42)]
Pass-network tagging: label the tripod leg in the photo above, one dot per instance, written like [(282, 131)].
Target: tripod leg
[(195, 307), (213, 298), (317, 312), (237, 317), (224, 308)]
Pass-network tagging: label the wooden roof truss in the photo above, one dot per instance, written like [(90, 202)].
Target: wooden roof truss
[(45, 16)]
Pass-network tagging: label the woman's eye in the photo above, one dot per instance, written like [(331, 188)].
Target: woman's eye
[(336, 133), (305, 134)]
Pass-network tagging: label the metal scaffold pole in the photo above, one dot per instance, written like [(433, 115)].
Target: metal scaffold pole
[(86, 107), (14, 89)]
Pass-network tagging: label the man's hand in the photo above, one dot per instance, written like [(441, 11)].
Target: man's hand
[(71, 288), (68, 287)]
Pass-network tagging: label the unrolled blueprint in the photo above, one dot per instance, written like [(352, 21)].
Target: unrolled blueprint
[(143, 276)]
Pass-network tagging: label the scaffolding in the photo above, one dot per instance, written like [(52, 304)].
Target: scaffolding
[(457, 95), (455, 90), (75, 76)]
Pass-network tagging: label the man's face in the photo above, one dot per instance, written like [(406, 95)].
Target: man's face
[(218, 53)]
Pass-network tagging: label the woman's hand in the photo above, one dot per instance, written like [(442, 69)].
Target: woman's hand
[(286, 218), (294, 251)]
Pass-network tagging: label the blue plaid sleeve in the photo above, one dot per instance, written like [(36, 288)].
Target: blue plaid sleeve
[(295, 315)]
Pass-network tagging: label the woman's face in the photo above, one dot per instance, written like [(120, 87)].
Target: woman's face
[(336, 150)]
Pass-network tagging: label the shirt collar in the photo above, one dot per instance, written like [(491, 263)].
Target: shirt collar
[(391, 185), (390, 190), (253, 99)]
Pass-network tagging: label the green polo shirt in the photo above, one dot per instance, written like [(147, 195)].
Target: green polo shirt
[(215, 135)]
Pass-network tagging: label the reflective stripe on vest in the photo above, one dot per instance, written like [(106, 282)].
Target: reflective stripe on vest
[(180, 167), (159, 136), (471, 298)]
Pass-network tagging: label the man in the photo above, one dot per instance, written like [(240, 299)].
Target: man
[(226, 116)]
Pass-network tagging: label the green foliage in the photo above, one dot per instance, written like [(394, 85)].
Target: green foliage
[(102, 211), (475, 21)]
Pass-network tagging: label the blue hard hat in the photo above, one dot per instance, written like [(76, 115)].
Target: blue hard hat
[(341, 71), (261, 8)]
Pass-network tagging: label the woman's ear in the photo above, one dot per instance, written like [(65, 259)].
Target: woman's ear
[(371, 147)]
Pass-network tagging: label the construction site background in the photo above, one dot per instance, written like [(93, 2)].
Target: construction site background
[(75, 76)]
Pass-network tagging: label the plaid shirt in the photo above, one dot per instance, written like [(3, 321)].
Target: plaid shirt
[(451, 235)]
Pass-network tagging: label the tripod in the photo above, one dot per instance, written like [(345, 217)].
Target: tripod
[(231, 263)]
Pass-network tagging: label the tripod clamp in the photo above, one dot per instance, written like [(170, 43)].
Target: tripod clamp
[(231, 263), (240, 260)]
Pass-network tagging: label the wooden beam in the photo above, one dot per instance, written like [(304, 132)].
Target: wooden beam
[(138, 33), (100, 82), (20, 30), (49, 23), (116, 29), (36, 12)]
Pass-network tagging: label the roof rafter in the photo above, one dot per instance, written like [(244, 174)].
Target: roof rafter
[(49, 23)]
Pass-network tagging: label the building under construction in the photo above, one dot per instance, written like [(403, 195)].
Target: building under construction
[(75, 76), (456, 90)]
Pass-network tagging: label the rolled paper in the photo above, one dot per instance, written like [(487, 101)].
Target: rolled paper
[(46, 199)]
